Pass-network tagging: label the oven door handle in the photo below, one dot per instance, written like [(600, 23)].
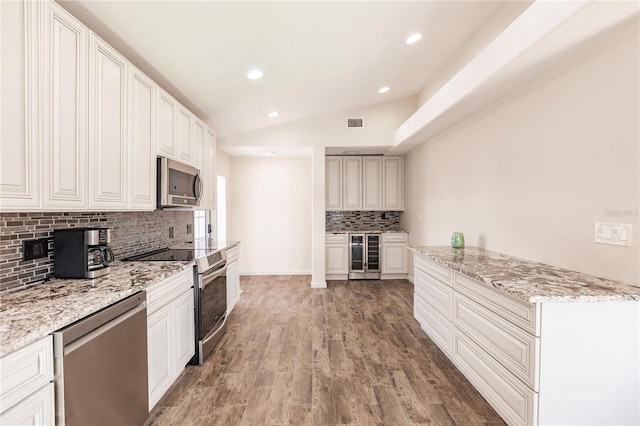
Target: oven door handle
[(208, 277)]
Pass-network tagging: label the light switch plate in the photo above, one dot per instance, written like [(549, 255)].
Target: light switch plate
[(618, 234)]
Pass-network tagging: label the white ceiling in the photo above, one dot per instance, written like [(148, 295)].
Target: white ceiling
[(318, 57)]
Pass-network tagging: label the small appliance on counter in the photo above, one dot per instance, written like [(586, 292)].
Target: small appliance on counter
[(81, 252)]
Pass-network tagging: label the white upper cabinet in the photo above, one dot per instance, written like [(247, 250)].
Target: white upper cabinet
[(333, 179), (65, 109), (185, 141), (142, 149), (371, 183), (208, 171), (19, 140), (393, 176), (352, 183), (364, 183), (108, 89), (167, 129), (198, 143)]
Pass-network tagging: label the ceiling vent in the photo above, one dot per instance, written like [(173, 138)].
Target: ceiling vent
[(355, 122)]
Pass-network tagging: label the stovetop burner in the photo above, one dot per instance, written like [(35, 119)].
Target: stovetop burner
[(206, 258), (165, 255)]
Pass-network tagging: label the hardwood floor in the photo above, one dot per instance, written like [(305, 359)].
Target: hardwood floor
[(348, 354)]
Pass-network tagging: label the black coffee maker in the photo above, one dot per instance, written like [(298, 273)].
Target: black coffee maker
[(81, 252)]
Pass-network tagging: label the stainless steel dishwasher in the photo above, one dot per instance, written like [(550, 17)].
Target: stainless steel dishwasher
[(101, 366)]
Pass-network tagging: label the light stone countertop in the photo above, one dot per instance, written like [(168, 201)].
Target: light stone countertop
[(527, 280), (29, 314)]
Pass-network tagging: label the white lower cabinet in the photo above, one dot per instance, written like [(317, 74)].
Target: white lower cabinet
[(536, 363), (233, 278), (337, 256), (170, 332), (394, 255), (26, 385)]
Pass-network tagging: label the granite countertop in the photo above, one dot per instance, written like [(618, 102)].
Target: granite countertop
[(527, 280), (28, 314)]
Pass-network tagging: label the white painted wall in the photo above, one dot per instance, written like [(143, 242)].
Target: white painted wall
[(271, 211), (530, 175), (223, 168)]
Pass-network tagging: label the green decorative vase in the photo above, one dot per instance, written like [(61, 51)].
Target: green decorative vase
[(457, 240)]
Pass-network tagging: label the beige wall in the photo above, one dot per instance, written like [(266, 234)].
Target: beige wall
[(223, 168), (271, 210), (530, 176)]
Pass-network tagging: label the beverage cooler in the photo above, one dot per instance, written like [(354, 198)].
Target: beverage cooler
[(364, 256)]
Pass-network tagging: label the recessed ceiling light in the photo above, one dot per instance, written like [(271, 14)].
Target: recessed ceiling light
[(413, 38), (254, 74), (273, 114), (269, 153), (384, 89)]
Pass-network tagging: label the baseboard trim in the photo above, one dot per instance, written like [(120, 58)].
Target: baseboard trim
[(410, 278), (318, 284), (298, 272)]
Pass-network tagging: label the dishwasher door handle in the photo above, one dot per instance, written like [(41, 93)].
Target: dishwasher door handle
[(61, 350)]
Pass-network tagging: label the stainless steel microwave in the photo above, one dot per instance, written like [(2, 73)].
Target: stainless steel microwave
[(179, 185)]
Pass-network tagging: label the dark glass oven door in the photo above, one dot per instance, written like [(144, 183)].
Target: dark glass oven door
[(213, 300)]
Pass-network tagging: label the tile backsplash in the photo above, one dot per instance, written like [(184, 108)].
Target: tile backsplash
[(356, 221), (131, 233)]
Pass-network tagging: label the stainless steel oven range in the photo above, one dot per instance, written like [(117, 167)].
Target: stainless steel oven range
[(210, 303), (210, 293)]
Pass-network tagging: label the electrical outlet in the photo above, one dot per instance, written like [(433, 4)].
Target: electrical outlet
[(171, 232), (35, 249), (618, 234), (188, 228)]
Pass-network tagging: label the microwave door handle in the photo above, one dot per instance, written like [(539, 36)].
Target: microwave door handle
[(198, 184)]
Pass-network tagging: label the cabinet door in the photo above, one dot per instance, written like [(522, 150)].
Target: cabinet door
[(208, 170), (19, 141), (352, 183), (198, 143), (160, 353), (167, 110), (142, 150), (393, 175), (337, 258), (108, 89), (184, 337), (233, 285), (65, 109), (333, 187), (372, 183), (394, 258), (36, 409), (185, 140)]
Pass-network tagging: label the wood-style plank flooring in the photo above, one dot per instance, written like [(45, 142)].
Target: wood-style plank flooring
[(348, 354)]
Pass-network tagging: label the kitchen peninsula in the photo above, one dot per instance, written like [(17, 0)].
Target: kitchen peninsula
[(542, 344)]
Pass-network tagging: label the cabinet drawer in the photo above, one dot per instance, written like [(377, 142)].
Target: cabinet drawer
[(513, 400), (233, 254), (394, 237), (520, 313), (514, 348), (25, 371), (436, 326), (166, 291), (437, 271), (336, 238), (36, 409), (435, 293)]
